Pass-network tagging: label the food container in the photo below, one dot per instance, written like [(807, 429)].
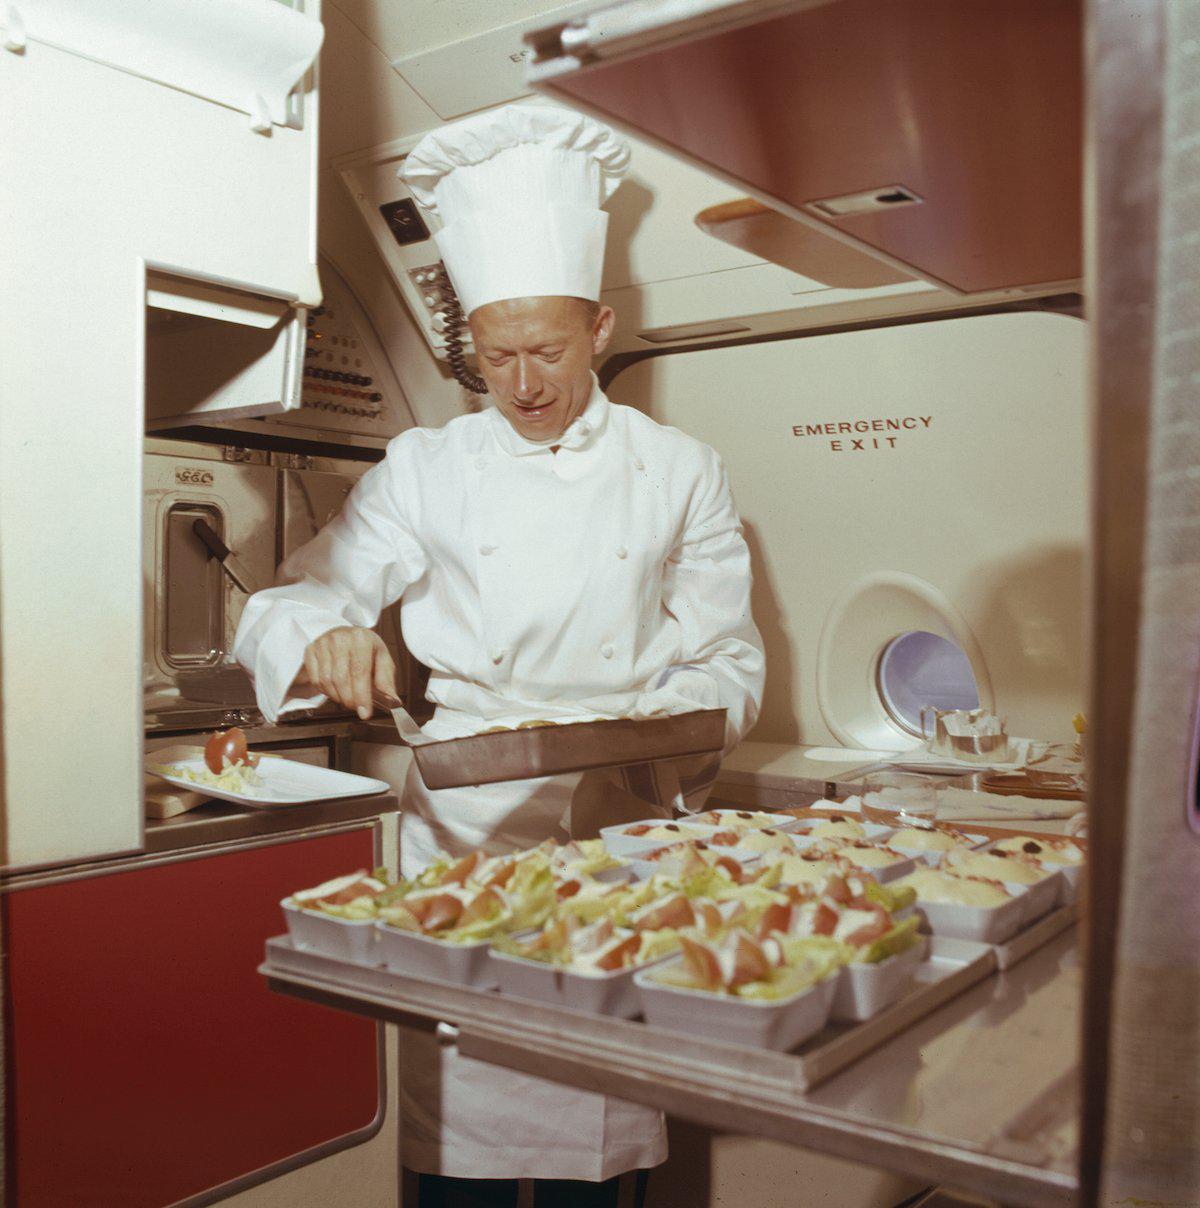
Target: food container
[(874, 831), (932, 857), (571, 747), (781, 1024), (619, 843), (983, 924), (1041, 897), (863, 990), (1069, 876), (882, 873), (644, 869), (731, 821), (316, 931), (600, 993), (426, 957)]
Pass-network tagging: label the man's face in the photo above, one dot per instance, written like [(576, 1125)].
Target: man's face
[(536, 356)]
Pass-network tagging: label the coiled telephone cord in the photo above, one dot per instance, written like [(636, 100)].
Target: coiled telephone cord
[(456, 323)]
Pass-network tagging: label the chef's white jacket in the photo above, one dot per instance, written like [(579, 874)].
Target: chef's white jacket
[(608, 578), (533, 584)]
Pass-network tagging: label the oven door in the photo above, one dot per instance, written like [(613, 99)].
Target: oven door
[(191, 608)]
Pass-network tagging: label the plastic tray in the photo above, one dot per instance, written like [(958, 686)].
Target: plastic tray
[(426, 957), (347, 939), (574, 747)]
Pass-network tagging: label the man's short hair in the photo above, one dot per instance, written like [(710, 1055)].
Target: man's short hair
[(589, 311)]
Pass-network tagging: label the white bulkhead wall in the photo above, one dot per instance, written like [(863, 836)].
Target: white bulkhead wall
[(972, 511), (100, 172)]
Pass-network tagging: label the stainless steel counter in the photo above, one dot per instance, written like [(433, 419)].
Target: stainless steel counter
[(222, 822), (981, 1094)]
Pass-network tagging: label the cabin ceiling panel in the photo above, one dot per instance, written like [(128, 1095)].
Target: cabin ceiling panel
[(363, 101), (405, 28)]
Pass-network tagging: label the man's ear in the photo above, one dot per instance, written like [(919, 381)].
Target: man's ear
[(602, 331)]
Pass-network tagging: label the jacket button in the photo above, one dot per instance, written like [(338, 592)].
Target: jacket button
[(485, 550), (622, 552), (606, 651)]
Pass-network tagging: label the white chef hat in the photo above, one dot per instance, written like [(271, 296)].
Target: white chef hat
[(519, 191)]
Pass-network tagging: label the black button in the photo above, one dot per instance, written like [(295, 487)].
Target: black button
[(404, 221)]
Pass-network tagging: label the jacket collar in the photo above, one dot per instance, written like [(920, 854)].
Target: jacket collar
[(581, 433)]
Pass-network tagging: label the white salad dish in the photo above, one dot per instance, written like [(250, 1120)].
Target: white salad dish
[(610, 993), (745, 820), (863, 990), (316, 931), (778, 1024), (427, 957), (643, 869), (284, 782), (620, 843)]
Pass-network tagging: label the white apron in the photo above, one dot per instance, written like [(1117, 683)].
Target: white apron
[(469, 1119)]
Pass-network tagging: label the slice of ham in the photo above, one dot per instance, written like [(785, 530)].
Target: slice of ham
[(341, 890)]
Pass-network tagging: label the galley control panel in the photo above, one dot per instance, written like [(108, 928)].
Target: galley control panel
[(348, 384)]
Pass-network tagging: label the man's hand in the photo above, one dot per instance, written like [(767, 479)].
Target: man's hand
[(346, 664)]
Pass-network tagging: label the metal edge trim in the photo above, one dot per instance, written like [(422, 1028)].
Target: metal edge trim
[(306, 1157), (56, 875), (1123, 56)]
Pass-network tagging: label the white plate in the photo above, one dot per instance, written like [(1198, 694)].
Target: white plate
[(284, 782)]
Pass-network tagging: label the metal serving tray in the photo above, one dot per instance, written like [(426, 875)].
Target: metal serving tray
[(950, 967), (576, 747)]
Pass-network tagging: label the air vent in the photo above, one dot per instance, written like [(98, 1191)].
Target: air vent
[(887, 197)]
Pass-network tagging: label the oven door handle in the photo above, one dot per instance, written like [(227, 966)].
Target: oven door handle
[(228, 563)]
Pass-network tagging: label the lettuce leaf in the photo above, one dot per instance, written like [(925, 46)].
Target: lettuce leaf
[(890, 897), (901, 938)]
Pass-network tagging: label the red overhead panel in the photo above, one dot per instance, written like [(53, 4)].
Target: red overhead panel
[(974, 107)]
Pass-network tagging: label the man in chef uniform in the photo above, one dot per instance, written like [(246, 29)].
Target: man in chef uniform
[(556, 557)]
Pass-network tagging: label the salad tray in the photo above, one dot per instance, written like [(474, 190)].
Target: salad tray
[(949, 968), (552, 750)]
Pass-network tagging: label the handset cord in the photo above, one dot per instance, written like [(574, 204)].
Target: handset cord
[(456, 322)]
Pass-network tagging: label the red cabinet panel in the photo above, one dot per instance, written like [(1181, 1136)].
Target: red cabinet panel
[(146, 1059)]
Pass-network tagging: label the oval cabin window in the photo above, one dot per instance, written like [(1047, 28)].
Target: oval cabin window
[(922, 669)]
